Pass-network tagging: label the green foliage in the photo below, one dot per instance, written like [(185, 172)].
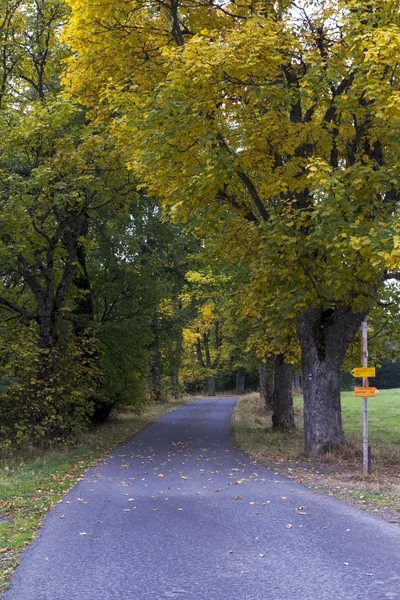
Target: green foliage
[(273, 129), (85, 260), (46, 394), (277, 129), (136, 264)]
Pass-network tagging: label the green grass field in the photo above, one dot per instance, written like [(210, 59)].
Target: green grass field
[(383, 417), (338, 472), (253, 428)]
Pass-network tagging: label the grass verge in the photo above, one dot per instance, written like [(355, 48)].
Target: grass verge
[(338, 473), (30, 484)]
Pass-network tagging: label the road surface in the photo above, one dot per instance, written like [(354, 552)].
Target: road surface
[(178, 513)]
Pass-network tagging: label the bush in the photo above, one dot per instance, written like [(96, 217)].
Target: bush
[(45, 394)]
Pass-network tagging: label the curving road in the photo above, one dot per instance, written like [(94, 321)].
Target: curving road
[(178, 513)]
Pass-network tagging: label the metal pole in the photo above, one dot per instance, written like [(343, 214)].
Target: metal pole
[(364, 359)]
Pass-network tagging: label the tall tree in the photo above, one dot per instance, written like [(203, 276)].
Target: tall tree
[(56, 170), (278, 116)]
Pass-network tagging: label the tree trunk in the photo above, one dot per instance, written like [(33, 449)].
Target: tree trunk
[(266, 375), (211, 386), (156, 375), (297, 384), (83, 318), (324, 337), (282, 398), (83, 312), (175, 384), (240, 380)]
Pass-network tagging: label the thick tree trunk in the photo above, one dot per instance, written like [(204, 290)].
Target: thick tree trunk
[(211, 386), (266, 375), (282, 398), (240, 380), (324, 337)]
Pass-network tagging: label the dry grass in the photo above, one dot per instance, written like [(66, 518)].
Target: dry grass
[(336, 473)]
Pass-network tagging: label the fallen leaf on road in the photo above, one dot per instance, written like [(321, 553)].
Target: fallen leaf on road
[(238, 497), (160, 475)]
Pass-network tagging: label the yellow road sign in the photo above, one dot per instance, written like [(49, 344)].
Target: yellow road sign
[(364, 372), (365, 392)]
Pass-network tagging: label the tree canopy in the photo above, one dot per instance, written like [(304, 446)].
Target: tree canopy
[(276, 125), (270, 130)]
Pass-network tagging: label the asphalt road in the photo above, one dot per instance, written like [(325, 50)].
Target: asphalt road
[(177, 512)]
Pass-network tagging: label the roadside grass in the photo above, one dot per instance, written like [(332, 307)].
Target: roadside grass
[(338, 472), (31, 482)]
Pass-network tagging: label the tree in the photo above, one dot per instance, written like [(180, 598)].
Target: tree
[(274, 119), (55, 172), (204, 332), (134, 264)]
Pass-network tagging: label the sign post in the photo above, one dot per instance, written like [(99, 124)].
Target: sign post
[(364, 362)]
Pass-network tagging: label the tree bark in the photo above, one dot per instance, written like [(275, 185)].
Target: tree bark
[(211, 385), (240, 380), (83, 312), (297, 384), (156, 375), (83, 318), (282, 398), (175, 384), (266, 375), (324, 337)]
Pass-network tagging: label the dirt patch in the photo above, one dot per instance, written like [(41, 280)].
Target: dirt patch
[(374, 493)]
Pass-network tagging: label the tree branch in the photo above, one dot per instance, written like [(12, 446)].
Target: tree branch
[(16, 308)]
